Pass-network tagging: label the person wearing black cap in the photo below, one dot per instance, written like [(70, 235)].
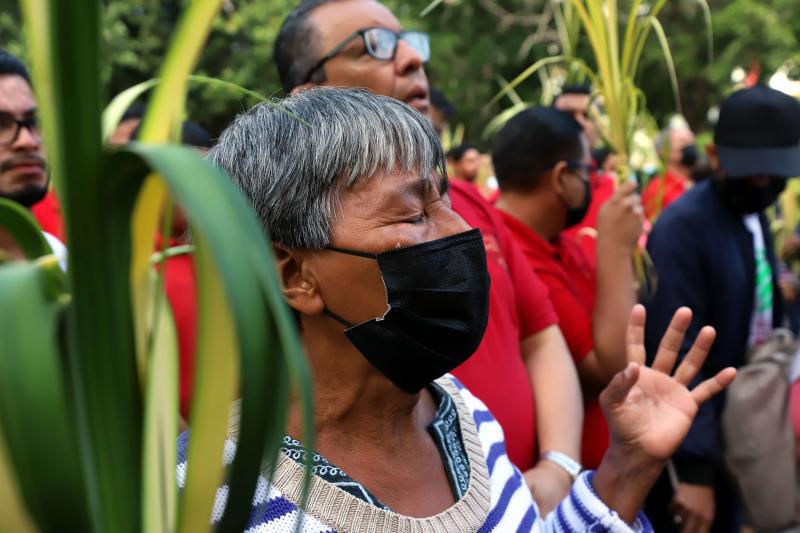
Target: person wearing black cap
[(713, 253)]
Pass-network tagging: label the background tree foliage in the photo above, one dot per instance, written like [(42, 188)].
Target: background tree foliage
[(474, 43)]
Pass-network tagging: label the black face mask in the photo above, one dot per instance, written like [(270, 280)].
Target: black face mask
[(689, 156), (438, 295), (743, 197), (575, 214)]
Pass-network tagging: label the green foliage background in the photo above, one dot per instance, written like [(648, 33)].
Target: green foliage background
[(474, 42)]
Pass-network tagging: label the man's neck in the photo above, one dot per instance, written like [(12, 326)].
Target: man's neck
[(531, 210), (355, 406)]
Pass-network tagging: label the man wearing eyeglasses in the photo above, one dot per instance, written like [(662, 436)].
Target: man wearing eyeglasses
[(522, 369), (23, 171), (353, 44)]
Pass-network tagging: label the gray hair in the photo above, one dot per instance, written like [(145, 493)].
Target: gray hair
[(292, 161)]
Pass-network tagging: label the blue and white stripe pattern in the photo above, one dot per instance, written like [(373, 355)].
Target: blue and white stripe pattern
[(512, 508)]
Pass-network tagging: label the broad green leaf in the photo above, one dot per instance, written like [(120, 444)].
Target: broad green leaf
[(159, 496), (19, 222), (36, 422), (63, 40)]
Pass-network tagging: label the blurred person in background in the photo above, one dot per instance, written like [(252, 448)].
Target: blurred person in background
[(677, 147), (24, 178)]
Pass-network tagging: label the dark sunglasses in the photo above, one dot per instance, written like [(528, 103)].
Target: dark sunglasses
[(10, 127), (381, 44)]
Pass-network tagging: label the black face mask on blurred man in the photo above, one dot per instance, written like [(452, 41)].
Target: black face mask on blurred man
[(750, 195)]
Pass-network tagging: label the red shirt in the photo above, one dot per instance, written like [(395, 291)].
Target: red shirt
[(674, 187), (48, 214), (571, 280), (585, 233), (518, 308)]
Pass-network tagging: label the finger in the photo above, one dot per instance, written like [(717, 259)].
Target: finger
[(616, 391), (694, 360), (672, 340), (626, 188), (635, 335), (712, 386)]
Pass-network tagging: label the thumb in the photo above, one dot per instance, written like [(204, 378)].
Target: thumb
[(626, 188), (616, 391)]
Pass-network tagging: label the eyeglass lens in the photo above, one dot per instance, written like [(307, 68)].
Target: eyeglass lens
[(9, 127), (382, 43)]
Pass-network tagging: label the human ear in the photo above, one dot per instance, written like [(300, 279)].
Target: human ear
[(713, 157), (298, 284), (556, 176)]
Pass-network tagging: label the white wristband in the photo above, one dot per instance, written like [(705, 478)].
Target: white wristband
[(570, 466)]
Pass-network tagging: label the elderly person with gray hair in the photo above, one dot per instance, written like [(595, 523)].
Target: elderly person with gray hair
[(390, 287)]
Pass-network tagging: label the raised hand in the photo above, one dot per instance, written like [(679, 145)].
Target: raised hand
[(650, 410)]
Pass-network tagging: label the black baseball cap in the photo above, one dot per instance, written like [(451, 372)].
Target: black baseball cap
[(758, 134)]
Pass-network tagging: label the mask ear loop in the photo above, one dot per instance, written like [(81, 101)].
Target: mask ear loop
[(352, 252), (337, 318)]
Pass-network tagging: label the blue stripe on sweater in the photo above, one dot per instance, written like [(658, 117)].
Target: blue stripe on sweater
[(496, 451), (496, 514), (270, 510), (583, 512), (482, 416), (526, 526)]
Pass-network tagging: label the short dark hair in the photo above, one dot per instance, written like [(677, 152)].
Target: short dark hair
[(134, 112), (12, 65), (578, 88), (442, 103), (297, 47), (457, 152), (192, 134), (531, 143)]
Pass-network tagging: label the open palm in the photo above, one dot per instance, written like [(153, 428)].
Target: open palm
[(650, 410)]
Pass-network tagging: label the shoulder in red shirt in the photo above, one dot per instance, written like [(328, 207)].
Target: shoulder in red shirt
[(518, 307)]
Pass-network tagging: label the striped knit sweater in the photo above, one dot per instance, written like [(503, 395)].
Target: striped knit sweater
[(497, 499)]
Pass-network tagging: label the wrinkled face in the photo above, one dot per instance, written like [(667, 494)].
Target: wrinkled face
[(23, 176), (402, 78), (578, 106), (469, 165), (680, 138), (394, 211)]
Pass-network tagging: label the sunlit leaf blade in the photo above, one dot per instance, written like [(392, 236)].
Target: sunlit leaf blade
[(665, 49), (527, 73), (13, 514), (159, 496), (33, 403), (115, 110), (19, 222)]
